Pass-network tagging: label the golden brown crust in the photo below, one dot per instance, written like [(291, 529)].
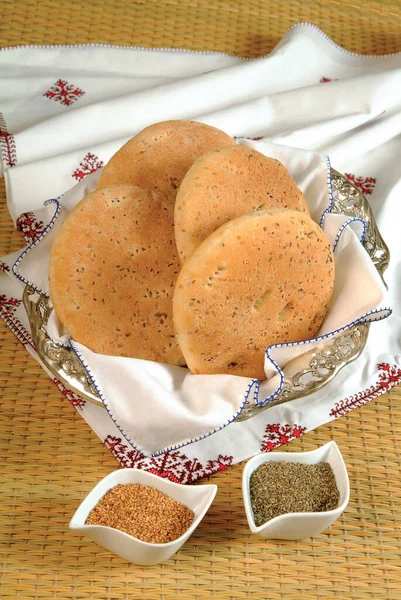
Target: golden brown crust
[(160, 155), (113, 267), (263, 278), (224, 184)]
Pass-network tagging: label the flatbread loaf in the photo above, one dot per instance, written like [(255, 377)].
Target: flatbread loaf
[(113, 267), (224, 184), (263, 278), (160, 155)]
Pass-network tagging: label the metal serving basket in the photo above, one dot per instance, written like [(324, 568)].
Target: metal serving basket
[(319, 366)]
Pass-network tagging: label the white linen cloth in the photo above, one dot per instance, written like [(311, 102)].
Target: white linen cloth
[(60, 105), (142, 396)]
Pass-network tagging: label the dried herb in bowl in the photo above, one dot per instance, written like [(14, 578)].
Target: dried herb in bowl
[(143, 512), (277, 488)]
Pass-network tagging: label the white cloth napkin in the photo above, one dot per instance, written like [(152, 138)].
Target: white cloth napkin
[(67, 110), (143, 396)]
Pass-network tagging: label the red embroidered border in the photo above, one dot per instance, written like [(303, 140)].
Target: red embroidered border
[(89, 164), (178, 467), (23, 336), (30, 226), (389, 377), (279, 434), (17, 328), (173, 465), (365, 184), (7, 143)]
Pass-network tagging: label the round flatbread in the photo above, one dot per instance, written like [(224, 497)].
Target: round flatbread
[(227, 183), (263, 278), (113, 267), (160, 155)]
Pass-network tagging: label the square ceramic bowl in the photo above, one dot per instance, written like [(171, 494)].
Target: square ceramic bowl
[(296, 526), (197, 498)]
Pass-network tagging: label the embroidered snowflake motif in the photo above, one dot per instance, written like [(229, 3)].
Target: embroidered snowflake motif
[(365, 184), (31, 228), (389, 376), (277, 435), (3, 267), (8, 305), (326, 80), (75, 400), (88, 165), (172, 465), (64, 92)]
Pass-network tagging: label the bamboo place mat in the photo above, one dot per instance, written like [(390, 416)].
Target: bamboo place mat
[(51, 459)]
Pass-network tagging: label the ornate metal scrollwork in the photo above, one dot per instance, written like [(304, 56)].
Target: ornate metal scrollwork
[(324, 362), (61, 361), (319, 366), (349, 200)]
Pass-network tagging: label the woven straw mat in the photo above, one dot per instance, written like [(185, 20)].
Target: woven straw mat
[(51, 459)]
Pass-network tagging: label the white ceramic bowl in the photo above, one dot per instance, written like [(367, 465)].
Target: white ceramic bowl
[(296, 526), (198, 498)]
